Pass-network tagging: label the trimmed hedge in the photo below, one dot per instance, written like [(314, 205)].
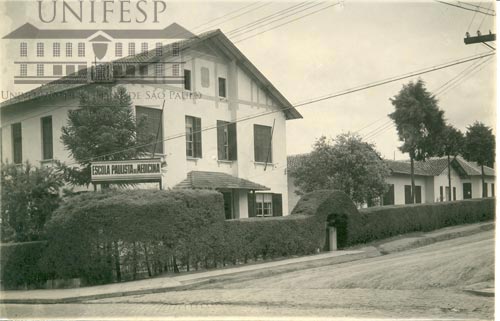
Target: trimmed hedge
[(386, 221), (117, 235), (19, 265)]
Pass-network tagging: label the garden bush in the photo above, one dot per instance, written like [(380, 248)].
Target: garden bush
[(19, 265)]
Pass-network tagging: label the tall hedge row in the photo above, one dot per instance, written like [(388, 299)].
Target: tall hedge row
[(116, 236), (19, 265), (382, 222)]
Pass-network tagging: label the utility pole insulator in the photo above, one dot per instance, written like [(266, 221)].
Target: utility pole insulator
[(468, 40)]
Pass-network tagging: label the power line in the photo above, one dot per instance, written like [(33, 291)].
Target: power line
[(312, 101), (243, 13), (301, 4), (281, 17), (290, 21), (225, 15), (483, 18), (477, 6), (465, 8)]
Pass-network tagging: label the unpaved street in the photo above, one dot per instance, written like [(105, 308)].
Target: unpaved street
[(426, 282)]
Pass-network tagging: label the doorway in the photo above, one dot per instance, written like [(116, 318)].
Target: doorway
[(467, 190)]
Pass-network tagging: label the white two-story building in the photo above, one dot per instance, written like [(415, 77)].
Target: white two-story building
[(223, 127)]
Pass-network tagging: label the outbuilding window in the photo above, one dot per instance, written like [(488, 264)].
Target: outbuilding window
[(17, 143), (47, 141)]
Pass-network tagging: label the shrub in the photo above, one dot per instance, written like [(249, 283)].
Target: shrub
[(386, 221), (104, 236), (19, 265), (29, 196)]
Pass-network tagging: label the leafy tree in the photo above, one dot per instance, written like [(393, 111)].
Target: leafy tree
[(347, 164), (29, 196), (419, 123), (103, 125), (480, 147), (452, 141)]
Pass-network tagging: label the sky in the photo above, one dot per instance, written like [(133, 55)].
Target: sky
[(341, 47)]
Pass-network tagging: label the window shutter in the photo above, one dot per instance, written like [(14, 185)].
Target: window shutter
[(220, 139), (268, 148), (197, 138), (277, 205), (262, 140), (251, 204), (233, 145), (408, 194)]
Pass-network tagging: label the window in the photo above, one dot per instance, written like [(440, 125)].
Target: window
[(57, 70), (193, 137), (226, 140), (454, 193), (118, 49), (159, 70), (39, 49), (228, 204), (467, 190), (70, 69), (205, 77), (175, 70), (23, 49), (485, 190), (17, 143), (187, 79), (388, 198), (175, 49), (441, 197), (69, 49), (151, 127), (81, 49), (23, 72), (144, 47), (222, 87), (47, 145), (265, 204), (159, 49), (418, 194), (39, 70), (131, 48), (262, 142), (448, 194), (493, 189), (56, 49)]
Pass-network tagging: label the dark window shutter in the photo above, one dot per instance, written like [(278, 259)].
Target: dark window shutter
[(418, 194), (441, 193), (262, 141), (17, 143), (220, 139), (251, 204), (187, 79), (197, 138), (233, 145), (408, 194), (222, 87), (47, 145), (277, 205)]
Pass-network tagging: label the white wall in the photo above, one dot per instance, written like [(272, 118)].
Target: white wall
[(400, 181), (209, 107), (442, 181)]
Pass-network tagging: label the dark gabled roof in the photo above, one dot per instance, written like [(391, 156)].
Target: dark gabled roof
[(435, 166), (216, 180), (151, 56), (431, 167), (28, 31)]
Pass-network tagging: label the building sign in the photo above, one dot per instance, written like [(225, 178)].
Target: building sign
[(139, 170)]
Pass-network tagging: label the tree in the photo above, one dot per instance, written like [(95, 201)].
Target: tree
[(452, 141), (103, 125), (479, 147), (419, 123), (29, 196), (347, 164)]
